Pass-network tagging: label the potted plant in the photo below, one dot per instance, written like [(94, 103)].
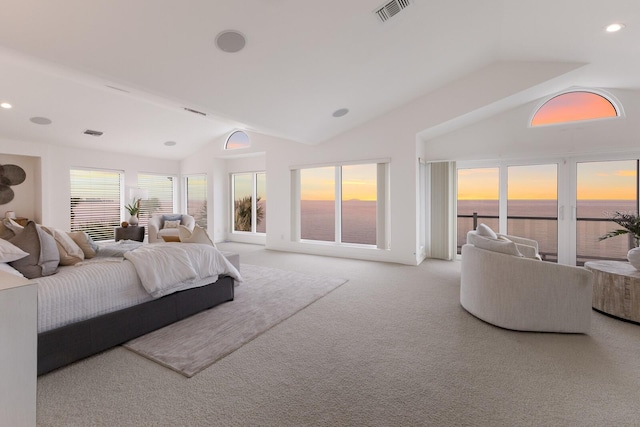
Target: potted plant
[(133, 208), (631, 226)]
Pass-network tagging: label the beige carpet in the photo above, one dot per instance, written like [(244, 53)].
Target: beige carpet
[(267, 297)]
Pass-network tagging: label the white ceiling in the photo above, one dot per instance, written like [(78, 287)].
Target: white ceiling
[(302, 61)]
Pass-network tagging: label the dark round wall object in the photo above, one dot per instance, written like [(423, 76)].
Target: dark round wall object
[(6, 194), (14, 173)]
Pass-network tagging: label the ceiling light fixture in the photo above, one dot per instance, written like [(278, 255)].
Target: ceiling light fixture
[(230, 41), (614, 28), (170, 143), (6, 105), (40, 120), (341, 112)]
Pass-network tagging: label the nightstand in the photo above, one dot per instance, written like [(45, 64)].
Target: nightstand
[(132, 232)]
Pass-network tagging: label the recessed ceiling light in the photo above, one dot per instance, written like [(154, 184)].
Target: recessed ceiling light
[(170, 143), (612, 28), (341, 112), (40, 120), (6, 105), (230, 41)]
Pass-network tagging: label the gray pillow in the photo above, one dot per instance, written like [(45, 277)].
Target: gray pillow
[(43, 252), (172, 217)]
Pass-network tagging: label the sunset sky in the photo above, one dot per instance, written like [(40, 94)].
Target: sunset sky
[(358, 183), (614, 180), (573, 106)]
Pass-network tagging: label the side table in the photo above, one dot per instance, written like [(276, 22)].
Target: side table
[(132, 232), (616, 289)]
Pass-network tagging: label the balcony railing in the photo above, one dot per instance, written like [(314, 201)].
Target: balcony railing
[(581, 258)]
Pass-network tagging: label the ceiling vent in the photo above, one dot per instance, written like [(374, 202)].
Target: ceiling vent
[(93, 132), (391, 9), (191, 110)]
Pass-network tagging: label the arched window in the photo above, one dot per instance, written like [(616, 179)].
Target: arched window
[(573, 107), (237, 139)]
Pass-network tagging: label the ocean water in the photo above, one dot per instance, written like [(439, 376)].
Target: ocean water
[(592, 223), (317, 221)]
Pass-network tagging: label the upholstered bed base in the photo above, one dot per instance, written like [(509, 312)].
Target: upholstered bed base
[(62, 346)]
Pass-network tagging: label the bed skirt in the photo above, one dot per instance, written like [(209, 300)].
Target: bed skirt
[(62, 346)]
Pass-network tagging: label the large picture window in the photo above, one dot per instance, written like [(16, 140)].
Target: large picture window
[(340, 204), (96, 202), (249, 202), (196, 195), (161, 195)]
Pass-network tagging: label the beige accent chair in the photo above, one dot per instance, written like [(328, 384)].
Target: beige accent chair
[(157, 229), (505, 288)]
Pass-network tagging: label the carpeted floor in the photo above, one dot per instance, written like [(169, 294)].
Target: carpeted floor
[(265, 298), (391, 347)]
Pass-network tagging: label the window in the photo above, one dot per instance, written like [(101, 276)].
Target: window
[(574, 106), (249, 202), (478, 200), (196, 195), (341, 204), (237, 139), (161, 199), (96, 202)]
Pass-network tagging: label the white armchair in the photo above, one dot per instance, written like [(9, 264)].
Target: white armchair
[(513, 291), (157, 229)]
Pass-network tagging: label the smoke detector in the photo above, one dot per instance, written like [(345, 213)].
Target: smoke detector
[(391, 9)]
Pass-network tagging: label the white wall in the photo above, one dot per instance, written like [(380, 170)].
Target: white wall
[(56, 162)]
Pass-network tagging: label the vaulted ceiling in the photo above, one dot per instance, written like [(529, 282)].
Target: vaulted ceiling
[(129, 68)]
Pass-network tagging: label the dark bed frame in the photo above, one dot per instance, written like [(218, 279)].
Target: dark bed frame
[(62, 346)]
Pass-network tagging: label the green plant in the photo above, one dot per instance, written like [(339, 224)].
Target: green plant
[(133, 208), (243, 213), (630, 224)]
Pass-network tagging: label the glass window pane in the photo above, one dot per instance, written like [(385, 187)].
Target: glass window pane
[(479, 196), (317, 204), (574, 106), (237, 139), (603, 188), (359, 195), (95, 202), (532, 206), (261, 203), (242, 201), (197, 199)]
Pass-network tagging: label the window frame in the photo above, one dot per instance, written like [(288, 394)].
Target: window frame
[(235, 132), (617, 106), (254, 203)]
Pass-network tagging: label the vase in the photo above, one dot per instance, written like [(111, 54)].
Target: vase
[(634, 257), (133, 220)]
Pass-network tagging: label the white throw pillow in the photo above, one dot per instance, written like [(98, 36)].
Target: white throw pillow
[(10, 252), (171, 224), (199, 235), (8, 269), (70, 252), (503, 246), (485, 230)]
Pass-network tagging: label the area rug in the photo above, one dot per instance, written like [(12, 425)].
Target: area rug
[(265, 298)]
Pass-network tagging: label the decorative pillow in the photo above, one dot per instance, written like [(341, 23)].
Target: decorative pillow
[(10, 252), (485, 230), (171, 223), (504, 246), (70, 252), (171, 238), (85, 242), (43, 256), (199, 235), (8, 269)]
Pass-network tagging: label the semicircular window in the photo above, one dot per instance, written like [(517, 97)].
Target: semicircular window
[(237, 139), (573, 107)]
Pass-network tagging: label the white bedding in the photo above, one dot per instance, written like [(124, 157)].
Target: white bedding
[(104, 285)]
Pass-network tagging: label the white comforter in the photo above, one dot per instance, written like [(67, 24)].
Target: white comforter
[(165, 268)]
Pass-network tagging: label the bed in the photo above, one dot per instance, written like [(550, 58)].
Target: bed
[(103, 302)]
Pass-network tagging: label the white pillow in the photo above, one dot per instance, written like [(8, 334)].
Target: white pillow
[(503, 246), (12, 225), (70, 252), (199, 235), (8, 269), (10, 252), (485, 230), (171, 224)]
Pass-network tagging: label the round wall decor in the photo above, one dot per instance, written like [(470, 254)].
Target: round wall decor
[(10, 175)]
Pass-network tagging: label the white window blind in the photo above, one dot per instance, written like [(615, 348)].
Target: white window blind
[(197, 198), (95, 202), (161, 196)]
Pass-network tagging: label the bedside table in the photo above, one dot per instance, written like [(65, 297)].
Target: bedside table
[(132, 232)]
